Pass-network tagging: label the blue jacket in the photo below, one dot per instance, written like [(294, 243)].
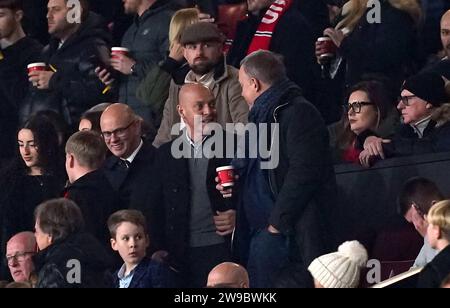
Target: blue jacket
[(150, 274)]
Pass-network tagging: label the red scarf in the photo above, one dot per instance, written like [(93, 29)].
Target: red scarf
[(264, 33)]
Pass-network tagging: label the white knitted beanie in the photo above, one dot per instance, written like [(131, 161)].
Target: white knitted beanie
[(340, 269)]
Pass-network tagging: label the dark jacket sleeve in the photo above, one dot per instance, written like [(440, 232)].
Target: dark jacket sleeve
[(142, 67), (152, 204), (306, 139), (50, 277), (438, 141), (82, 87), (388, 43), (153, 91), (428, 278)]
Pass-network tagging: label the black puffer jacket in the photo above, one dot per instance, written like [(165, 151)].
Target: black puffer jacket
[(74, 87), (78, 256), (13, 83)]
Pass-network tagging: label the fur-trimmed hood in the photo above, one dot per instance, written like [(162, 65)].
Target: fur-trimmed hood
[(441, 115)]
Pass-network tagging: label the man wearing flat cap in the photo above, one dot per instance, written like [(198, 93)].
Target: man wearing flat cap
[(203, 49), (425, 110)]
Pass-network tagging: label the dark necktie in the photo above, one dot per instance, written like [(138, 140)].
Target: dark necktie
[(123, 164)]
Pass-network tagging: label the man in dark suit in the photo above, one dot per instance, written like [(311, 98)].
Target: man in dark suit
[(130, 168), (89, 188), (198, 222)]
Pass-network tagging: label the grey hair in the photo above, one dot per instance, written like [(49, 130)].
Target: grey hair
[(265, 66)]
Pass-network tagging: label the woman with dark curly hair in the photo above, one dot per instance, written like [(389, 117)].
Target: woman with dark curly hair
[(36, 174)]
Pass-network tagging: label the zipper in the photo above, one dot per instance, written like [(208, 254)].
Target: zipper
[(271, 146)]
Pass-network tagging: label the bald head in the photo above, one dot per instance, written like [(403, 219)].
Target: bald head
[(121, 129), (193, 89), (19, 251), (27, 239), (196, 100), (445, 33), (118, 111), (228, 275)]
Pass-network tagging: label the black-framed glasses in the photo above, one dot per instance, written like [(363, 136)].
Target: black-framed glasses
[(19, 256), (356, 106), (119, 132), (405, 99)]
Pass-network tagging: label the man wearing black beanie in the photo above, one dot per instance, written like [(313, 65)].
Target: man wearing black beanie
[(425, 110)]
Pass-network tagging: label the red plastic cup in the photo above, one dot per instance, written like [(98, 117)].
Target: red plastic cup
[(328, 46), (226, 176), (37, 67), (119, 50)]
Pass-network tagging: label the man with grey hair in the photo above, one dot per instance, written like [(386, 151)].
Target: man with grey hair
[(285, 204)]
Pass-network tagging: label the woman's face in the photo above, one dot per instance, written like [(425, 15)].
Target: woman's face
[(362, 116), (28, 148), (85, 124)]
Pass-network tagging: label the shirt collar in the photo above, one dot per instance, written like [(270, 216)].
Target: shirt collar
[(133, 155), (121, 272), (419, 127), (193, 144)]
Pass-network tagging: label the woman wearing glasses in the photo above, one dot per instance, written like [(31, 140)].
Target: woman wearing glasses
[(35, 175), (370, 111)]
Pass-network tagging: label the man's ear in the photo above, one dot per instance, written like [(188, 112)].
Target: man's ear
[(256, 84), (71, 160), (113, 244), (49, 239), (180, 111), (429, 106), (18, 16)]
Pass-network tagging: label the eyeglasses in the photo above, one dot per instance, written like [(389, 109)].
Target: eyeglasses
[(405, 99), (356, 106), (19, 257), (119, 132)]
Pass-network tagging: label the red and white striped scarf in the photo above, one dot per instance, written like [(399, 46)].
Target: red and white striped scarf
[(263, 35)]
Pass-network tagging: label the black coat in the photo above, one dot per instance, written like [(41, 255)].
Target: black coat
[(386, 48), (293, 38), (435, 272), (303, 184), (13, 85), (55, 267), (74, 87), (316, 12), (135, 179), (170, 199), (406, 143), (20, 194), (97, 200), (134, 184)]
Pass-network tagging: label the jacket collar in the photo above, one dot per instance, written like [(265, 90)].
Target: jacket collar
[(139, 273), (158, 6)]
